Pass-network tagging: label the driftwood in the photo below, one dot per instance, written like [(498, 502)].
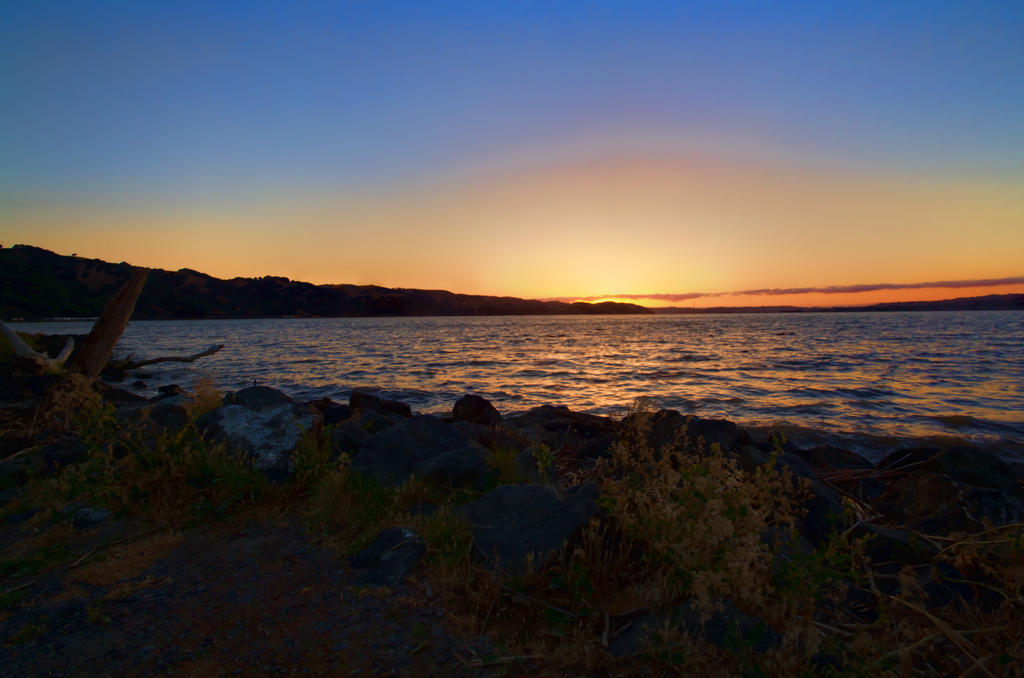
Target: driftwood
[(108, 329), (23, 350), (99, 345), (129, 365)]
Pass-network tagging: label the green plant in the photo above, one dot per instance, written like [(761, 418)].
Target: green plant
[(354, 507), (545, 460), (448, 537), (502, 461), (313, 456)]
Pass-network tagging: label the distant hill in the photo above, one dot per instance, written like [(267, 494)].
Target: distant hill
[(990, 302), (37, 283)]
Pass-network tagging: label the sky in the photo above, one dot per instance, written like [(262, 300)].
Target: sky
[(675, 153)]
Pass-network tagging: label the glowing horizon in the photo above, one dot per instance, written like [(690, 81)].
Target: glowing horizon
[(558, 152)]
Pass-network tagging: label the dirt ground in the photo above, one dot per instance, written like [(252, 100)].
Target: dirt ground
[(264, 599)]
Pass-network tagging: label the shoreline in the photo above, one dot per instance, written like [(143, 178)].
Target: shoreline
[(911, 307), (542, 510)]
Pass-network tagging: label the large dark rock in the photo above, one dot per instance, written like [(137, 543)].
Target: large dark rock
[(24, 386), (88, 516), (42, 460), (152, 418), (350, 434), (171, 391), (475, 409), (823, 505), (955, 489), (118, 396), (728, 628), (391, 556), (886, 545), (563, 431), (422, 446), (516, 526), (256, 397), (64, 452), (495, 438), (264, 423), (330, 411), (12, 444), (360, 400), (667, 428), (973, 467), (829, 456)]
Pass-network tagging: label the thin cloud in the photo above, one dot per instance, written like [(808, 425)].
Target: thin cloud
[(831, 289), (875, 287)]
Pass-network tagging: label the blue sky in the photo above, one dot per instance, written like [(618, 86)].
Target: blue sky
[(126, 128), (107, 97)]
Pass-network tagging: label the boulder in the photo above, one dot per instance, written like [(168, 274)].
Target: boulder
[(118, 396), (264, 423), (491, 437), (973, 467), (422, 446), (331, 411), (169, 391), (564, 431), (829, 456), (89, 517), (475, 409), (824, 505), (886, 544), (41, 460), (956, 489), (255, 397), (360, 400), (350, 433), (519, 526), (152, 418), (12, 444), (727, 628), (389, 558), (64, 452), (669, 427)]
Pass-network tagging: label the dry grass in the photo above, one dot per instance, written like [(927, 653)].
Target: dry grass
[(681, 524), (684, 523), (204, 398)]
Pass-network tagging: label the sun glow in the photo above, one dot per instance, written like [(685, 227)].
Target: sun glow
[(623, 227)]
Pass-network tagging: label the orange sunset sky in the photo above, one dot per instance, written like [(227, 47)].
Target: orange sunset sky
[(598, 152)]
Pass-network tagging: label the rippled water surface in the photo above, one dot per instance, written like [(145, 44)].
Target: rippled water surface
[(866, 374)]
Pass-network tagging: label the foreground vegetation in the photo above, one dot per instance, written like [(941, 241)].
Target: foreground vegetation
[(686, 530)]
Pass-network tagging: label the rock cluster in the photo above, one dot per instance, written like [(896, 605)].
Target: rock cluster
[(515, 527)]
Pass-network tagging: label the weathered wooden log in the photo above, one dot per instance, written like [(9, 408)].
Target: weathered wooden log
[(108, 329), (23, 350)]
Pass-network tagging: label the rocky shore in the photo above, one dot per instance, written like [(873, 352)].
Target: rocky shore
[(911, 566)]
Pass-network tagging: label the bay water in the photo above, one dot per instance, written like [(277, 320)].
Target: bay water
[(863, 380)]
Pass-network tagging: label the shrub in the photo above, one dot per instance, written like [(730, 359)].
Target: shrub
[(697, 514)]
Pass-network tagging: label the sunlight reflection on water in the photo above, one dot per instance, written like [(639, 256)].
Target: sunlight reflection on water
[(879, 374)]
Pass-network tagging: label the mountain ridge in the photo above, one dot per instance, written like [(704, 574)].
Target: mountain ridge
[(38, 283)]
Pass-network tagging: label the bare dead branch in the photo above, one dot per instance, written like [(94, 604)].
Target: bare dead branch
[(175, 359)]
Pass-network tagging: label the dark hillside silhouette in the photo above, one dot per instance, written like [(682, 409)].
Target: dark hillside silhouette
[(37, 283)]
